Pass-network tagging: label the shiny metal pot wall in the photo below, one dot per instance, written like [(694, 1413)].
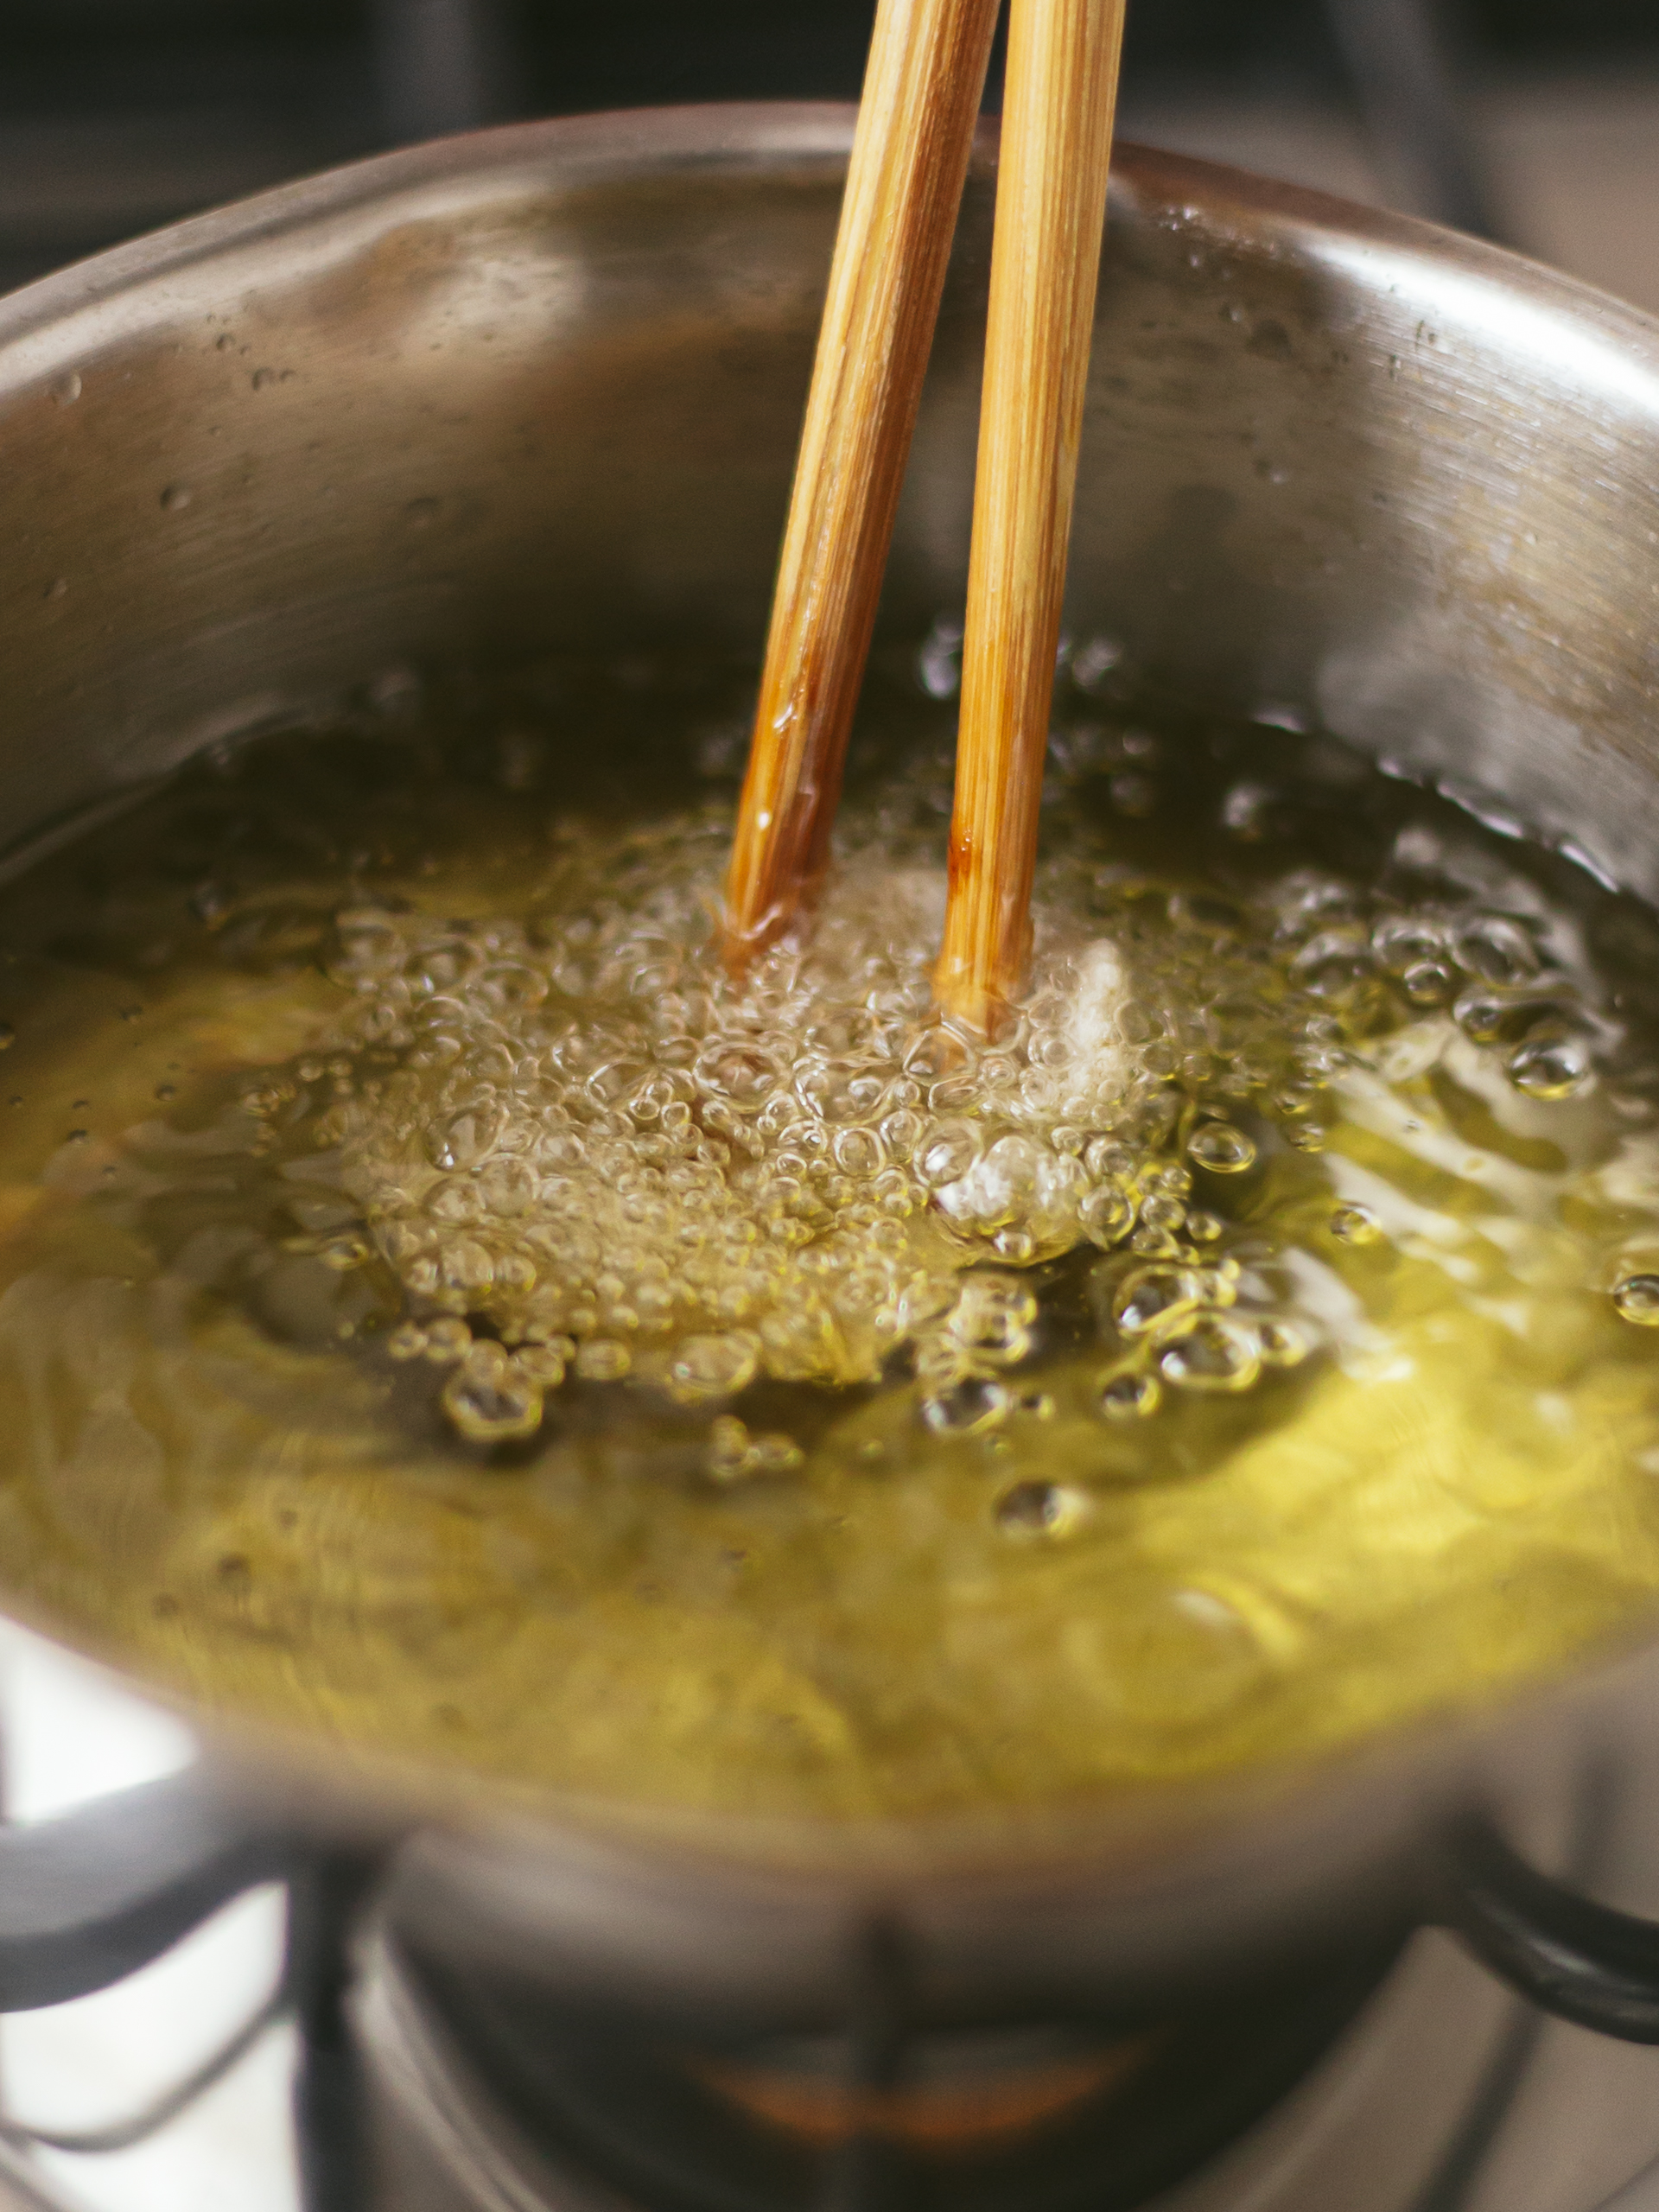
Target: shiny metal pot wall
[(542, 387)]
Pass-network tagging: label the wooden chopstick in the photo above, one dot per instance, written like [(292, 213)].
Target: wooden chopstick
[(1051, 211), (922, 92)]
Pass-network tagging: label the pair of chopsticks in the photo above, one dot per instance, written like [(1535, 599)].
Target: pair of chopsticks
[(910, 157)]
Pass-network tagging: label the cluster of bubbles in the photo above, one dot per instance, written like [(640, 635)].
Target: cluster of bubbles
[(583, 1148), (1488, 969), (594, 1152)]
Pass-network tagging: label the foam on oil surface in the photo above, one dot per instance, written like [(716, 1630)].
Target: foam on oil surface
[(612, 1157)]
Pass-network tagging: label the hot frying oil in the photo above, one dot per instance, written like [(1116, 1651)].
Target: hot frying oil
[(439, 1304)]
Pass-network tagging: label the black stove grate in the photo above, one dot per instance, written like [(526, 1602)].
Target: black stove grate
[(324, 1897)]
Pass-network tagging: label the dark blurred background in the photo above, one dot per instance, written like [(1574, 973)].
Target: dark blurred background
[(1535, 120)]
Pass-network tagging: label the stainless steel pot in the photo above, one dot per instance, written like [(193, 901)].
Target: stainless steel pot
[(540, 387)]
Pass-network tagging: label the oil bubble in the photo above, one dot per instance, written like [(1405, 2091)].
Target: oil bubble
[(602, 1359), (1333, 964), (1130, 1395), (467, 1140), (543, 1363), (711, 1367), (775, 1454), (1496, 949), (1404, 942), (1428, 982), (1354, 1225), (1637, 1299), (947, 1152), (938, 662), (1214, 1354), (1553, 1063), (971, 1408), (857, 1151), (1106, 1216), (1108, 1158), (447, 1339), (1054, 1510), (1221, 1149), (1149, 1301), (728, 1448), (735, 1456), (1282, 1345), (992, 1318), (490, 1402)]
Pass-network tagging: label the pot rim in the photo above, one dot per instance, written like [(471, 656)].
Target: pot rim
[(592, 148)]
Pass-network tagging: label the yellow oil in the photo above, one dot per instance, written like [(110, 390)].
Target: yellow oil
[(440, 1307)]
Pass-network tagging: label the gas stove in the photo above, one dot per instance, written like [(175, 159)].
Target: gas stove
[(1392, 2079)]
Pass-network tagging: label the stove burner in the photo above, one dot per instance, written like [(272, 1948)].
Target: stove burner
[(496, 2093), (1074, 2115), (1007, 2086)]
